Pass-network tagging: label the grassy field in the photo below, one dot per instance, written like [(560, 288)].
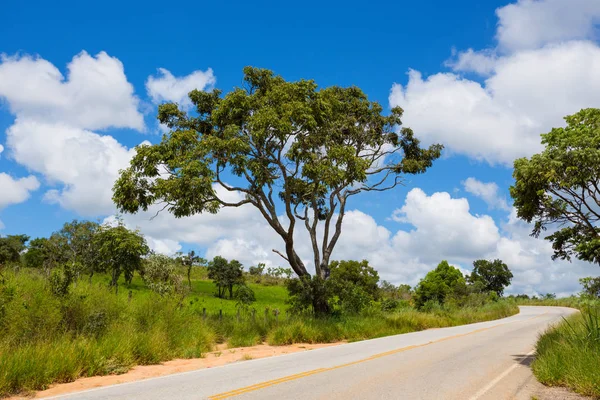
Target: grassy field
[(92, 331), (569, 354)]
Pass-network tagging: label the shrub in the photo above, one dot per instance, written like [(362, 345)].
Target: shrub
[(388, 305), (160, 275), (244, 295)]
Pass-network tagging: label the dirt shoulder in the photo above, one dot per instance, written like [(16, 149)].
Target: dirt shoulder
[(221, 356)]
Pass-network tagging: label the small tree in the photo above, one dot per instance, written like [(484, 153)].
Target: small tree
[(492, 276), (75, 244), (190, 260), (257, 270), (225, 274), (591, 287), (161, 275), (120, 251), (439, 284), (559, 187)]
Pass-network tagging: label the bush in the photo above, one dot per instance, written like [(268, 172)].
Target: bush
[(244, 295), (388, 305), (160, 275), (309, 294)]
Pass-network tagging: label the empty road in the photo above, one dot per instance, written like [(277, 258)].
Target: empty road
[(486, 360)]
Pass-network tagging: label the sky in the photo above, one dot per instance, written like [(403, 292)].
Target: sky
[(80, 83)]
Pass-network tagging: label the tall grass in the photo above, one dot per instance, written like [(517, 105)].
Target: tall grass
[(569, 354), (46, 339)]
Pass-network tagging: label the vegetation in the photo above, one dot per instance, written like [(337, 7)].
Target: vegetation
[(559, 187), (491, 276), (439, 285), (569, 354), (92, 330), (225, 274), (298, 153)]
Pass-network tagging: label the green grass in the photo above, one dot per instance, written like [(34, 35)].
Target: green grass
[(569, 354), (93, 331)]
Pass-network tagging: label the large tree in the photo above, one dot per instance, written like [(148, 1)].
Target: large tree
[(293, 150), (559, 188)]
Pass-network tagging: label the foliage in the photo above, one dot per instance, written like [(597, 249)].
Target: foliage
[(309, 294), (494, 276), (299, 151), (389, 304), (75, 244), (160, 274), (591, 287), (119, 251), (244, 295), (60, 279), (353, 284), (257, 270), (559, 187), (225, 274), (439, 284), (11, 247)]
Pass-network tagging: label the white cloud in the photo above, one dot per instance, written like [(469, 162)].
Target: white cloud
[(488, 192), (52, 132), (528, 93), (1, 149), (14, 191), (168, 88), (545, 66), (480, 62), (95, 94), (530, 24), (83, 163)]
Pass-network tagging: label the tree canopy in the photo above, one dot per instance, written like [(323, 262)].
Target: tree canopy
[(440, 283), (494, 276), (120, 251), (293, 150), (11, 247), (559, 187), (225, 274)]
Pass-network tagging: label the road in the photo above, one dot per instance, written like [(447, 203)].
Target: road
[(486, 360)]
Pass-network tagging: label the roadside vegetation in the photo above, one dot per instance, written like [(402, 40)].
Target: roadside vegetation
[(64, 313), (568, 354)]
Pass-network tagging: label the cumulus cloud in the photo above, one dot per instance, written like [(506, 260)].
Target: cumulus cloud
[(54, 118), (488, 192), (165, 87), (16, 191), (94, 95), (528, 93), (543, 68), (530, 24)]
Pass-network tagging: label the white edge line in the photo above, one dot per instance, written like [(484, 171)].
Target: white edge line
[(500, 377)]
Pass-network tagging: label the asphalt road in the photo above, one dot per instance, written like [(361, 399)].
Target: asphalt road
[(487, 360)]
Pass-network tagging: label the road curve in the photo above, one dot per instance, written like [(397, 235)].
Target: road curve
[(487, 360)]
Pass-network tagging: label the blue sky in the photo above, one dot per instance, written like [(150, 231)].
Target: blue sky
[(483, 74)]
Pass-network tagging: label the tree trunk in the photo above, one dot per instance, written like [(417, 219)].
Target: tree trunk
[(189, 276), (231, 291)]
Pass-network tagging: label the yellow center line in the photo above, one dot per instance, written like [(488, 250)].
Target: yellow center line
[(288, 378)]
